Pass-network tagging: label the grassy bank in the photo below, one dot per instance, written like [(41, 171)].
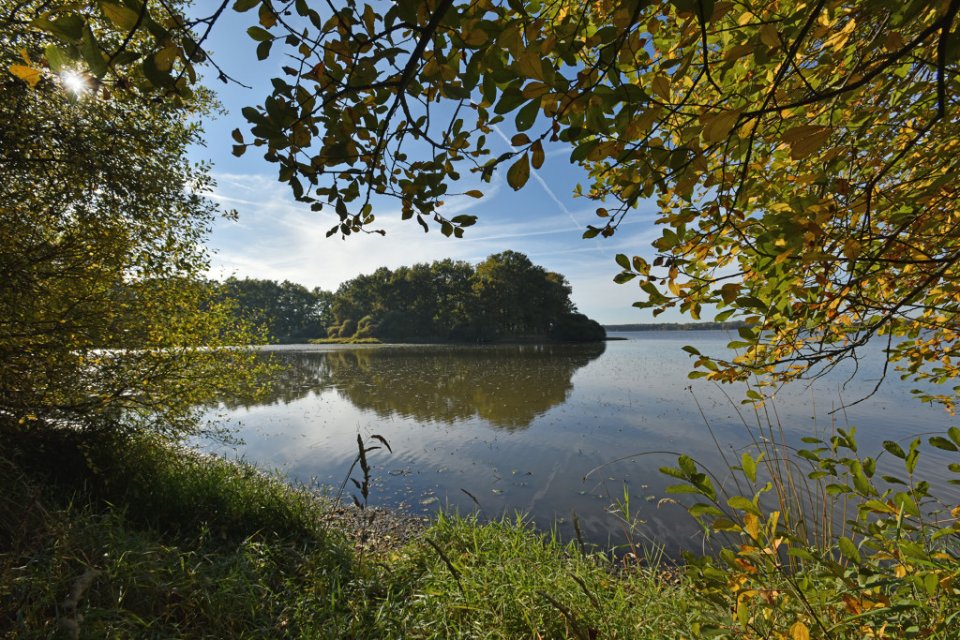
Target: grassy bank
[(108, 537)]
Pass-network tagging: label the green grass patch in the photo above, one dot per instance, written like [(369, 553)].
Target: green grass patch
[(106, 536), (505, 580), (345, 341)]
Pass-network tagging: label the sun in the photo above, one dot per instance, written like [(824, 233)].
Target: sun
[(74, 82)]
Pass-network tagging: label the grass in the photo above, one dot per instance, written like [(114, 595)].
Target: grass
[(503, 580), (102, 536)]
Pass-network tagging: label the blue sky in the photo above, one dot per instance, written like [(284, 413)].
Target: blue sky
[(278, 238)]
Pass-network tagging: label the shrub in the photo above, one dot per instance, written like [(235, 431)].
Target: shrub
[(790, 565)]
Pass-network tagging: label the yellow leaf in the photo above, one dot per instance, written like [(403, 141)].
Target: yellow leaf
[(738, 51), (519, 172), (839, 39), (854, 606), (267, 17), (743, 613), (474, 193), (122, 16), (661, 86), (893, 42), (510, 40), (851, 249), (165, 57), (548, 45), (28, 74), (799, 631), (752, 525), (529, 64), (535, 90), (369, 19), (769, 36), (805, 139), (718, 126), (538, 155), (476, 38)]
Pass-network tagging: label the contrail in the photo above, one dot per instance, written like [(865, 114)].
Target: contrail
[(543, 184)]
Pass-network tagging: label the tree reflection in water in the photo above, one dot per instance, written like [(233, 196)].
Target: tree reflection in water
[(505, 385)]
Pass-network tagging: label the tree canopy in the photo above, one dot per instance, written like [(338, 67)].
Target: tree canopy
[(802, 152), (103, 318), (287, 311)]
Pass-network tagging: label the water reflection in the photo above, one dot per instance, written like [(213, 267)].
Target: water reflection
[(508, 386), (520, 427)]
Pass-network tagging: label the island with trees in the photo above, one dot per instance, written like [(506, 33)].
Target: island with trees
[(505, 298)]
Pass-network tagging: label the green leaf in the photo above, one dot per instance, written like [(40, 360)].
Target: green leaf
[(683, 488), (623, 277), (92, 54), (910, 462), (860, 481), (623, 261), (907, 503), (954, 434), (464, 220), (744, 504), (848, 549), (245, 5), (894, 449), (509, 100), (155, 76), (259, 34), (519, 173), (702, 509), (749, 467), (263, 49), (942, 443), (528, 115), (57, 57), (69, 27), (837, 489)]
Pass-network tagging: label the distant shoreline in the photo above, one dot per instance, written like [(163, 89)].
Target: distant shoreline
[(676, 326)]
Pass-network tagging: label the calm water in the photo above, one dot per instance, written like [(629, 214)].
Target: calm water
[(518, 427)]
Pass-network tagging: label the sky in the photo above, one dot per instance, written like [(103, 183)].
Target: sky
[(277, 238)]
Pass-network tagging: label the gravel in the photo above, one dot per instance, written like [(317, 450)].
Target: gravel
[(376, 529)]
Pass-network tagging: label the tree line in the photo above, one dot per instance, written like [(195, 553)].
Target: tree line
[(504, 298)]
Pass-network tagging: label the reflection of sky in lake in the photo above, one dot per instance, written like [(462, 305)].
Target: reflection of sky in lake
[(518, 427)]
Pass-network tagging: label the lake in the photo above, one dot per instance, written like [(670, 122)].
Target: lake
[(502, 429)]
